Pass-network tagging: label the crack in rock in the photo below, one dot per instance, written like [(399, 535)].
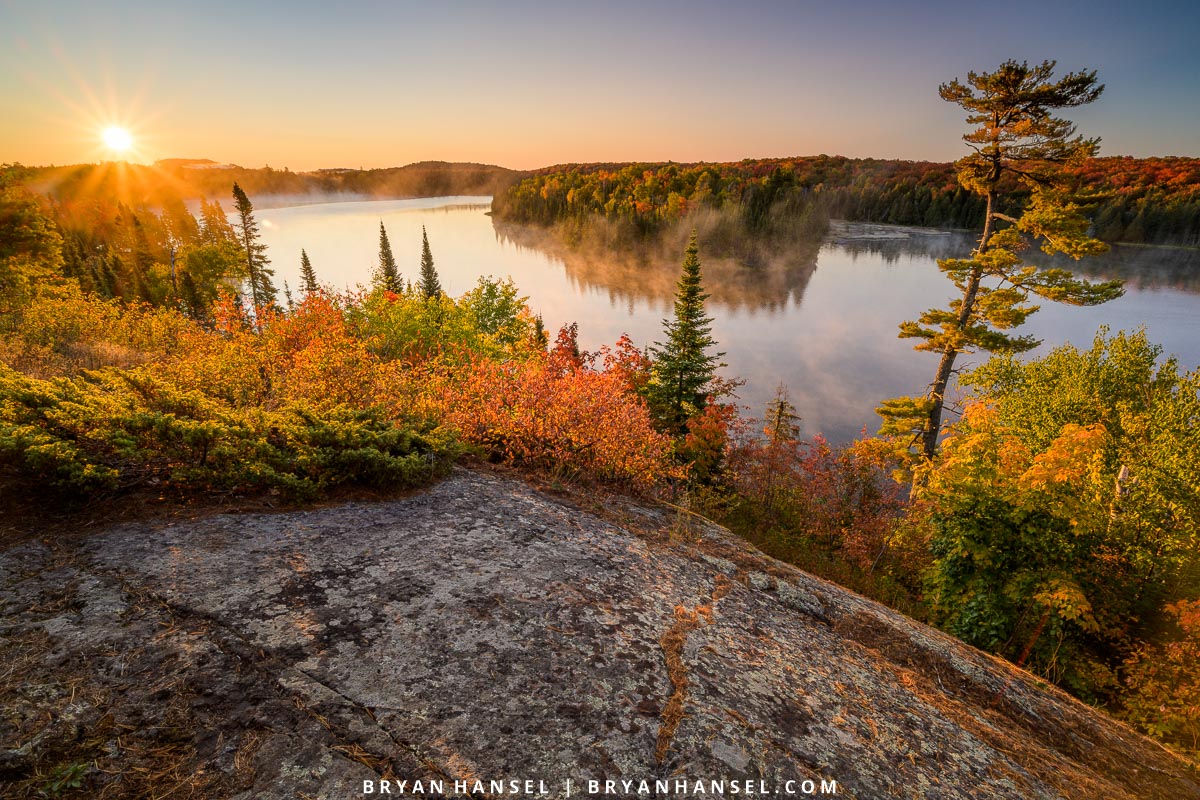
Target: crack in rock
[(672, 643)]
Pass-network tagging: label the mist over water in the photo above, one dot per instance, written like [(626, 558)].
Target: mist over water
[(824, 327)]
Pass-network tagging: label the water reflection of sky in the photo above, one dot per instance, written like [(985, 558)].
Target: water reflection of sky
[(828, 334)]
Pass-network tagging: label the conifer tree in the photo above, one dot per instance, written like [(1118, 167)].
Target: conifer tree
[(214, 224), (1017, 143), (428, 286), (782, 423), (387, 274), (258, 274), (683, 369), (308, 276), (181, 225), (782, 430), (193, 306)]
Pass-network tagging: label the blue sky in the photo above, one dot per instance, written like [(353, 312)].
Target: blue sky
[(524, 84)]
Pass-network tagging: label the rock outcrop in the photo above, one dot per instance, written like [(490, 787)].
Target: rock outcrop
[(483, 630)]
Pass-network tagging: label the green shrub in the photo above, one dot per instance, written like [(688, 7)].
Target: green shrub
[(119, 429)]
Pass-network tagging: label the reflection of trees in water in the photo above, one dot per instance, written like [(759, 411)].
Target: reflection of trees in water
[(1140, 267), (649, 270), (1143, 267), (893, 242)]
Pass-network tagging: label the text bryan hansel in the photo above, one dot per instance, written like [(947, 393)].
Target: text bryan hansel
[(460, 787)]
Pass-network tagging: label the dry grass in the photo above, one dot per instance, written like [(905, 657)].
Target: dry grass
[(79, 741)]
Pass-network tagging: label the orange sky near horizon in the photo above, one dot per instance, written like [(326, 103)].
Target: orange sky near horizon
[(528, 84)]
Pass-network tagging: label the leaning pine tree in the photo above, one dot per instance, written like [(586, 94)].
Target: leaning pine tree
[(258, 274), (387, 274), (683, 371), (1018, 149)]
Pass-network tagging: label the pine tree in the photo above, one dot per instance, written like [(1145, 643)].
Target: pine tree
[(387, 274), (258, 274), (782, 423), (428, 286), (181, 225), (193, 306), (778, 456), (308, 276), (683, 369), (214, 224), (1017, 143)]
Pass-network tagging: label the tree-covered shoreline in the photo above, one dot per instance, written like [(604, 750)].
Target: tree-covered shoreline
[(1133, 201)]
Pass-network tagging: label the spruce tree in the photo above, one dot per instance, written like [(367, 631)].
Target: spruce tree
[(181, 225), (308, 276), (387, 274), (782, 429), (193, 306), (683, 369), (258, 274), (214, 224), (428, 286), (781, 423), (1019, 145)]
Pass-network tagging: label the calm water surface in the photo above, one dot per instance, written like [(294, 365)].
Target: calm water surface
[(826, 331)]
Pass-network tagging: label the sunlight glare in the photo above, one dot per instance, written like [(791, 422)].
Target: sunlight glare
[(117, 139)]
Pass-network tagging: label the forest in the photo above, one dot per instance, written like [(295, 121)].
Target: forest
[(1137, 201), (146, 355)]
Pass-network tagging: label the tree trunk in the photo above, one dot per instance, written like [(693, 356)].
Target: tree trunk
[(1037, 633), (937, 389), (248, 243)]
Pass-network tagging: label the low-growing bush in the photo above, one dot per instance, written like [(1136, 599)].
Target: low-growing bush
[(114, 430)]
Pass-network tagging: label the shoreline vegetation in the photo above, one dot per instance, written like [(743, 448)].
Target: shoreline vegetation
[(1147, 201), (1126, 200), (145, 348)]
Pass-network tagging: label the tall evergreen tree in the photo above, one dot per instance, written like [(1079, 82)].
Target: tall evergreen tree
[(258, 274), (387, 274), (181, 225), (308, 276), (1017, 143), (683, 369), (214, 224), (189, 294), (428, 286)]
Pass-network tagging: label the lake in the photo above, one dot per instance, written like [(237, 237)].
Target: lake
[(826, 331)]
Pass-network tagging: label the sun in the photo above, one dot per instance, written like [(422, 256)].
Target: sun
[(117, 139)]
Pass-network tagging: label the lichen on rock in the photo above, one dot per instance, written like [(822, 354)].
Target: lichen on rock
[(484, 630)]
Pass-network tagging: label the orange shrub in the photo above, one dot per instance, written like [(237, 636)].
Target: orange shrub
[(572, 422)]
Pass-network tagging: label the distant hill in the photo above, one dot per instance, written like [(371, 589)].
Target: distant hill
[(139, 185)]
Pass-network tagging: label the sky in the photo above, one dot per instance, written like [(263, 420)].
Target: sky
[(524, 83)]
